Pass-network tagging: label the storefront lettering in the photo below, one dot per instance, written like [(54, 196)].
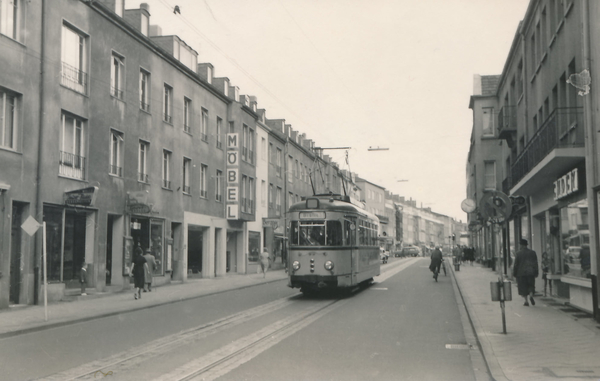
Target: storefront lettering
[(232, 176), (81, 197), (566, 185)]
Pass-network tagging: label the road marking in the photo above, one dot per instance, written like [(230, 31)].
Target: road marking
[(459, 346), (390, 273), (379, 288)]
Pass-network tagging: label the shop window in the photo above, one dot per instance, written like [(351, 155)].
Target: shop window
[(149, 235), (575, 239), (253, 246)]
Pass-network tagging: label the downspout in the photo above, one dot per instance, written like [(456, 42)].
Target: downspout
[(590, 163), (39, 210)]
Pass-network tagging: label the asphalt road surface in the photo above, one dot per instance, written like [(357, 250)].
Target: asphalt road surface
[(404, 326)]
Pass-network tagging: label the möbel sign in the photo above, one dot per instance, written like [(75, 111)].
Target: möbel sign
[(566, 185), (232, 176)]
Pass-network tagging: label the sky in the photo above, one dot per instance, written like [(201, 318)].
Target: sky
[(395, 74)]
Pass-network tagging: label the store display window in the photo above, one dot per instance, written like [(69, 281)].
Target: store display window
[(575, 239)]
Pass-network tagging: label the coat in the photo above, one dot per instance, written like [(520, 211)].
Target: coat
[(149, 269), (436, 260), (526, 263), (139, 266)]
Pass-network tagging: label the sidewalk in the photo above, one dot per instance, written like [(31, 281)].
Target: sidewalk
[(543, 342), (23, 319)]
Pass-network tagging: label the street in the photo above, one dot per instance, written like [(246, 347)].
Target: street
[(403, 326)]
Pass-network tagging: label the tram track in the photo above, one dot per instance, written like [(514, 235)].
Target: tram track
[(125, 360)]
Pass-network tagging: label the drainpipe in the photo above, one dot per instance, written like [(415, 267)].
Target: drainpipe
[(39, 210), (590, 162)]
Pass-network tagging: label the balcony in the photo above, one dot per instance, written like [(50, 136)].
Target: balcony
[(74, 78), (555, 148), (507, 122), (71, 165)]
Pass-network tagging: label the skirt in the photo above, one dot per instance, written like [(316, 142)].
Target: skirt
[(526, 285)]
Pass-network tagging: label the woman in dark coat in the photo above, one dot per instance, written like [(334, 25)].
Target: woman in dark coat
[(526, 270), (138, 271)]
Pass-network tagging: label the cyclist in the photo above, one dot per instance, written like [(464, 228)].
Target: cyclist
[(436, 262)]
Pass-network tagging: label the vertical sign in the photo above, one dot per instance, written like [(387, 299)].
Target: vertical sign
[(233, 176)]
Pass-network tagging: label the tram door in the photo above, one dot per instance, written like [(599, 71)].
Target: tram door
[(350, 234)]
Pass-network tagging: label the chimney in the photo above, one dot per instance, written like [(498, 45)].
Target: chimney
[(155, 31), (253, 103), (288, 130), (245, 100), (276, 124), (206, 71), (138, 18), (295, 136)]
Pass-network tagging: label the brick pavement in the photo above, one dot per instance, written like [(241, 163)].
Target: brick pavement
[(542, 342)]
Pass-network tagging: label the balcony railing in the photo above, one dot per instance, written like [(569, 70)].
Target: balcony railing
[(507, 121), (187, 128), (74, 78), (115, 92), (143, 177), (562, 129), (204, 137), (167, 118), (71, 165), (219, 198), (203, 193), (145, 106), (187, 189), (166, 184)]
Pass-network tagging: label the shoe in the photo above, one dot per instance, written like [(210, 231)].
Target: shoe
[(135, 296), (145, 291), (83, 293), (532, 301), (526, 304)]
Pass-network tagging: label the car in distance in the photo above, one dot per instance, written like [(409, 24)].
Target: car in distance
[(408, 251)]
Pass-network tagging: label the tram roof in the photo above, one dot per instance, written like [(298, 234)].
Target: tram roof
[(333, 202)]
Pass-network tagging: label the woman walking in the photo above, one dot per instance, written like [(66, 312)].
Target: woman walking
[(138, 271)]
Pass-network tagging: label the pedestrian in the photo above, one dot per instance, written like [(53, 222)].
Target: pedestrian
[(137, 271), (149, 270), (264, 261), (545, 271), (436, 262), (526, 270), (83, 278)]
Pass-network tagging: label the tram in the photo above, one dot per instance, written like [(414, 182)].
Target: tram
[(332, 245)]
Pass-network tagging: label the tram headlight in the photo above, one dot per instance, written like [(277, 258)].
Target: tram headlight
[(296, 265), (328, 265)]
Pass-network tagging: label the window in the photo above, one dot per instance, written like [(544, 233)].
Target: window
[(143, 161), (245, 142), (117, 71), (144, 90), (218, 186), (203, 175), (488, 128), (166, 169), (168, 104), (204, 126), (278, 162), (72, 157), (250, 195), (489, 176), (187, 166), (290, 169), (296, 169), (219, 132), (116, 153), (244, 195), (278, 201), (73, 57), (8, 119), (187, 110), (9, 18), (263, 193), (263, 148), (250, 145)]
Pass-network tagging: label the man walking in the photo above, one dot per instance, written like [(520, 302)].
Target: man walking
[(264, 261), (436, 262), (525, 271)]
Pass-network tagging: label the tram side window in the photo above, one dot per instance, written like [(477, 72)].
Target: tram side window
[(294, 233), (334, 233), (350, 233)]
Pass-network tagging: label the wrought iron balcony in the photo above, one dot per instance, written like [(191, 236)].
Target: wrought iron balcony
[(562, 129), (507, 122), (74, 78), (71, 165)]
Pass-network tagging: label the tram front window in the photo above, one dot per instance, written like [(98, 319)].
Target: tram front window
[(316, 233)]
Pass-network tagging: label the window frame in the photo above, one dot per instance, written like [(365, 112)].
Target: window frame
[(186, 177), (218, 186), (143, 152), (145, 88), (204, 125), (5, 94), (166, 169), (188, 112), (116, 153), (15, 20), (117, 75), (73, 74), (167, 109), (203, 181), (73, 160)]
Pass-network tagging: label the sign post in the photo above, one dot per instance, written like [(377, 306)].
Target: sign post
[(31, 226)]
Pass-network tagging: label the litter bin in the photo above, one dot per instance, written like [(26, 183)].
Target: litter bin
[(457, 266), (499, 295)]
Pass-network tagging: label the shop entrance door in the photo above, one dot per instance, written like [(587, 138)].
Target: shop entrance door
[(15, 254), (74, 250), (195, 250)]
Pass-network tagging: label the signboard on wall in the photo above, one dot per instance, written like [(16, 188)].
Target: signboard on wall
[(233, 177), (81, 197), (566, 185), (127, 255)]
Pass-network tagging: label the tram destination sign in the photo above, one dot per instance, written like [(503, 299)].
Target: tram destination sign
[(312, 215), (81, 197)]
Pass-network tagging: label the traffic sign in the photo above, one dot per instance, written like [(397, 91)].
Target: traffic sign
[(497, 207)]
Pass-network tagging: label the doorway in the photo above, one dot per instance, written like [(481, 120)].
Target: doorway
[(195, 250), (16, 255)]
